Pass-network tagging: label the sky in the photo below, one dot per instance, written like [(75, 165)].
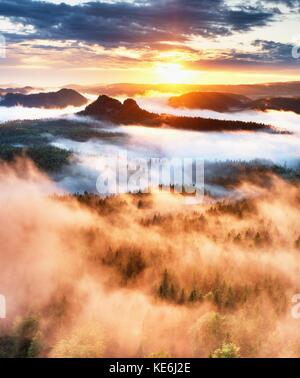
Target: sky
[(54, 42)]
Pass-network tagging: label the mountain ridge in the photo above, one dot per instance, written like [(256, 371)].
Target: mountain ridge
[(61, 99), (129, 113), (229, 102)]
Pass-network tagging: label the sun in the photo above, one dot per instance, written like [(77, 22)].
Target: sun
[(172, 73)]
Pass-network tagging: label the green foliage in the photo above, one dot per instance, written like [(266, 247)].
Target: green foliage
[(83, 342), (231, 172), (38, 132), (206, 124), (167, 289), (7, 346), (226, 350), (193, 296), (214, 325), (27, 337), (164, 286), (161, 354), (24, 341), (47, 158), (208, 332), (31, 139), (127, 261), (297, 243), (130, 261)]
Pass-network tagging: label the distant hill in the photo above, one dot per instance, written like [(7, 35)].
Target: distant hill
[(254, 91), (227, 102), (278, 103), (23, 90), (61, 99), (129, 113), (219, 102)]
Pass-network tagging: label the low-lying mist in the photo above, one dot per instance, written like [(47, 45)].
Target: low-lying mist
[(281, 119), (146, 142), (89, 140), (21, 113), (146, 275)]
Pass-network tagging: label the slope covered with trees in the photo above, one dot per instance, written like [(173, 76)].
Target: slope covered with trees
[(129, 113)]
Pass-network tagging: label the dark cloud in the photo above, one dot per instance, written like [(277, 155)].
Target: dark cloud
[(289, 3), (275, 52), (246, 18), (142, 22), (268, 54)]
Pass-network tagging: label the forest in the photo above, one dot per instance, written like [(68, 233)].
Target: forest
[(211, 280)]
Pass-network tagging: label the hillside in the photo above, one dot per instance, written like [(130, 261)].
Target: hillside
[(129, 112), (219, 102), (61, 99), (228, 102), (278, 103)]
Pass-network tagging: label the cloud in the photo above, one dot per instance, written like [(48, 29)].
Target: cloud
[(247, 17), (288, 3), (22, 113), (267, 54), (123, 34), (139, 22), (275, 51)]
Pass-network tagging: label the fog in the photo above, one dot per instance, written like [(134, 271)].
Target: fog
[(139, 141), (280, 149), (149, 276), (146, 142), (22, 113), (219, 146), (283, 120), (61, 265)]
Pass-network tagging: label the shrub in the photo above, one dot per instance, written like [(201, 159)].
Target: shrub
[(226, 350)]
